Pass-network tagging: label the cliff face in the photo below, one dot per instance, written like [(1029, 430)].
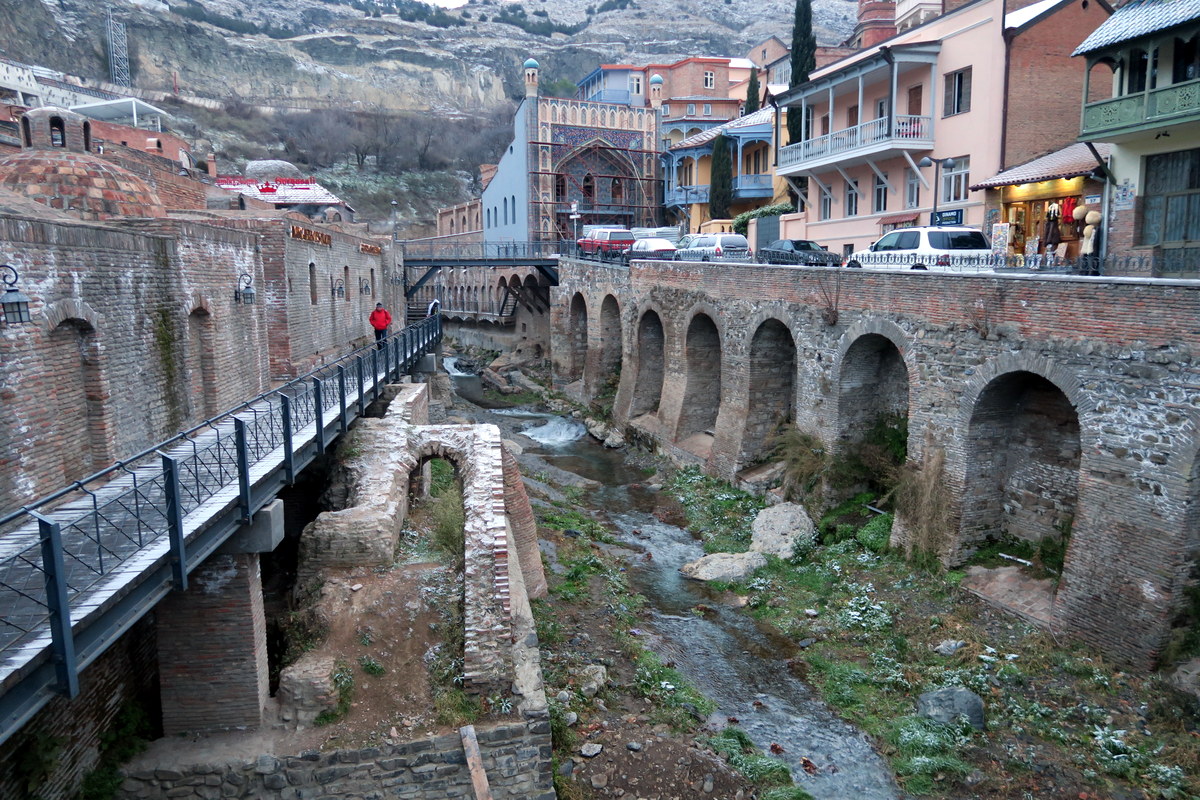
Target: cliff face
[(310, 54)]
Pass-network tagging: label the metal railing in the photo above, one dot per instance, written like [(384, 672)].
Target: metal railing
[(478, 251), (908, 129), (70, 553), (1182, 264)]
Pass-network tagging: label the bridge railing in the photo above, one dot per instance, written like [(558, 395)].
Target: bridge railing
[(478, 251), (70, 551)]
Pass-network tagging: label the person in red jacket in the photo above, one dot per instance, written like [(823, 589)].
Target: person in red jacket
[(380, 320)]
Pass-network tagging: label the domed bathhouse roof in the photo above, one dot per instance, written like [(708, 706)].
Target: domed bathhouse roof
[(271, 168), (656, 79), (531, 64)]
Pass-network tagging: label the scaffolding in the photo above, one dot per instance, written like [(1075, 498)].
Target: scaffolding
[(118, 52), (639, 205)]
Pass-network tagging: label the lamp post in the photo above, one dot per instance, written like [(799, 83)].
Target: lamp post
[(937, 181), (13, 304), (575, 215)]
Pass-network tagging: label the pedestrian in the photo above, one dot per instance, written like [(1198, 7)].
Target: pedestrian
[(435, 306), (380, 320)]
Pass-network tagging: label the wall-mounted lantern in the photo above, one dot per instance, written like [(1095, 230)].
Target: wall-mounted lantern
[(13, 303), (244, 293), (339, 289), (364, 286)]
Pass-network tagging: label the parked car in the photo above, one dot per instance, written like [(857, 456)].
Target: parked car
[(797, 251), (605, 242), (651, 247), (947, 248), (713, 247)]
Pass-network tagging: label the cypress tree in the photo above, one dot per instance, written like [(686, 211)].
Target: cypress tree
[(753, 92), (804, 61), (720, 185)]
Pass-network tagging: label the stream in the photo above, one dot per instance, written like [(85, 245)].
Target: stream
[(727, 655)]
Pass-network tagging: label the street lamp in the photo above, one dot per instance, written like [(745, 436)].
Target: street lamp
[(13, 304), (244, 293), (339, 289), (936, 163)]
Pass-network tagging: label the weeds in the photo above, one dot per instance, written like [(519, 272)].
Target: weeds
[(343, 684), (804, 459), (371, 666)]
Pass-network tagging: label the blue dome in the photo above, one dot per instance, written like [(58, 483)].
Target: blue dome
[(656, 79), (531, 64)]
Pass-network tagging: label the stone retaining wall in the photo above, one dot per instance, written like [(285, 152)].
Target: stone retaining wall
[(516, 757)]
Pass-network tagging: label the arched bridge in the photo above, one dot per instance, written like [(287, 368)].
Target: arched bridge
[(1048, 406)]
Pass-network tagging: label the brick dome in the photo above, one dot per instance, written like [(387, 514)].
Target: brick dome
[(57, 168)]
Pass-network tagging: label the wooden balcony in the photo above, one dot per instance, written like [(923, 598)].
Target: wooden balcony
[(1122, 117)]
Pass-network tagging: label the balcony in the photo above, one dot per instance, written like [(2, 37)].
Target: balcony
[(746, 187), (618, 96), (870, 139), (1122, 117), (686, 195)]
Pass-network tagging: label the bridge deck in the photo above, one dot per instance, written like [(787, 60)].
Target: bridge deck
[(102, 552)]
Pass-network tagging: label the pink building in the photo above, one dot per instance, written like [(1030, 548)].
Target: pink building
[(970, 93)]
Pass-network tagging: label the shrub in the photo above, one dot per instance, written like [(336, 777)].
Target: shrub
[(803, 458), (875, 534)]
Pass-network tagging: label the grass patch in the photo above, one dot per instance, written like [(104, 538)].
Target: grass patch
[(716, 512), (343, 684), (734, 745)]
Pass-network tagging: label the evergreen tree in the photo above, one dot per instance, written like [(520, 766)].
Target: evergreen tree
[(720, 185), (753, 92), (804, 61)]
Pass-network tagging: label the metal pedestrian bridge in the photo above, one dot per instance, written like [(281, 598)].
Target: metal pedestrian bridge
[(78, 568)]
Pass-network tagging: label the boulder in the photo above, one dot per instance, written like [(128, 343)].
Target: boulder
[(492, 378), (726, 567), (596, 428), (614, 440), (525, 383), (783, 530), (947, 704)]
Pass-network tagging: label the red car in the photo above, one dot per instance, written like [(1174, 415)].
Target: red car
[(605, 242)]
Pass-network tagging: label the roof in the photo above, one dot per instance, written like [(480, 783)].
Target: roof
[(1139, 18), (704, 137), (124, 108), (1070, 162), (279, 191), (1015, 19), (740, 63)]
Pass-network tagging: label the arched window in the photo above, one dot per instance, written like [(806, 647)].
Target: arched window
[(618, 191), (58, 132), (87, 137), (506, 211), (346, 281), (589, 187), (463, 225), (312, 283), (560, 188)]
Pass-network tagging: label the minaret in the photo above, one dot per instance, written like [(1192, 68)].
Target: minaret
[(656, 84), (531, 78)]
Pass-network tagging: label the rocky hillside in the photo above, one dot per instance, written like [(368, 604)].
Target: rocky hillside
[(314, 54)]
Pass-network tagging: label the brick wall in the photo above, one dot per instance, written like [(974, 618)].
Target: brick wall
[(61, 742), (516, 757), (1101, 371)]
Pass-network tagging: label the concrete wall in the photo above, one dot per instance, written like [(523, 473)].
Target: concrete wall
[(1110, 358)]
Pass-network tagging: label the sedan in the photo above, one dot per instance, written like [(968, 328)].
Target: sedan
[(798, 251), (651, 248)]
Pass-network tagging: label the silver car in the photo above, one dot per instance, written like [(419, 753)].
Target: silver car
[(714, 247)]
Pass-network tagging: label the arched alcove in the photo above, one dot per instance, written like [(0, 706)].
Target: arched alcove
[(647, 390), (702, 392), (771, 387), (202, 373), (578, 337)]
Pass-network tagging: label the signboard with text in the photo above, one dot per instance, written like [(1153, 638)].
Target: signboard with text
[(952, 217)]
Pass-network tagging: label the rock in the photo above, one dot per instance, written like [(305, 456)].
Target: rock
[(592, 679), (513, 447), (521, 381), (596, 428), (491, 378), (948, 647), (727, 567), (591, 750), (570, 718), (634, 746), (614, 440), (806, 643), (566, 768), (783, 530), (945, 705), (356, 587), (563, 697), (708, 784), (599, 780), (811, 612)]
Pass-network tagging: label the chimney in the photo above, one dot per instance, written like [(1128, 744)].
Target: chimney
[(212, 165)]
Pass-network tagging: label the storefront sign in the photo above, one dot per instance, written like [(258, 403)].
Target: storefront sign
[(370, 249), (1123, 196), (316, 237), (951, 217), (1000, 234)]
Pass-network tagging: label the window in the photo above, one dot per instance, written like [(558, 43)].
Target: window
[(958, 93), (346, 282), (666, 107), (691, 109), (1186, 64), (912, 189), (1142, 66), (852, 198), (881, 108), (635, 84), (58, 132), (880, 193), (955, 180), (312, 283), (560, 188), (618, 191), (589, 187), (710, 79), (707, 109), (826, 205), (1171, 198)]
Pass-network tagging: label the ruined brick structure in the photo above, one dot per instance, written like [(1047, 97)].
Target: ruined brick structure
[(1060, 404)]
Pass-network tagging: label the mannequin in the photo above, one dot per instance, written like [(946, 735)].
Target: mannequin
[(1090, 247)]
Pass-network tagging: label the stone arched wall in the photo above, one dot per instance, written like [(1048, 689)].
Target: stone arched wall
[(771, 387)]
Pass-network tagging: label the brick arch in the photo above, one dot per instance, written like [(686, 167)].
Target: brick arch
[(577, 328), (771, 384), (703, 365), (872, 374), (59, 312), (650, 348), (1063, 378), (199, 302), (200, 362), (611, 343), (75, 363)]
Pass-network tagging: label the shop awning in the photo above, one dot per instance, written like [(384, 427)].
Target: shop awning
[(896, 219), (1070, 162)]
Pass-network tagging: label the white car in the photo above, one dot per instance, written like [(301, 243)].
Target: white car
[(949, 248)]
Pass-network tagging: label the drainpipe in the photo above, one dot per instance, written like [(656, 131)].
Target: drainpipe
[(1004, 100), (775, 143)]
